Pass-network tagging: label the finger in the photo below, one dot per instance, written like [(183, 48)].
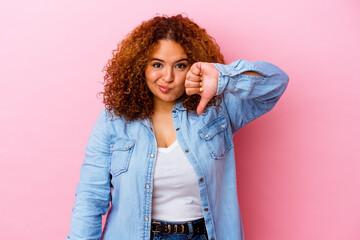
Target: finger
[(193, 84), (202, 105), (192, 91), (196, 68), (194, 78)]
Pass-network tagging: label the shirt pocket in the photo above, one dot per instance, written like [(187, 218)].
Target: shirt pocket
[(120, 156), (217, 137)]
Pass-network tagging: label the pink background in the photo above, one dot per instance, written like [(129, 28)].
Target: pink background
[(298, 166)]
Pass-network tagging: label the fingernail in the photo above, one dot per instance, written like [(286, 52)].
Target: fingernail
[(201, 84), (201, 89), (200, 74), (201, 78)]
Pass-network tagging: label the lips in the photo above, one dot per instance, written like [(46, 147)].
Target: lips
[(164, 89)]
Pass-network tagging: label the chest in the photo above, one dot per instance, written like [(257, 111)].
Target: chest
[(135, 147), (164, 130)]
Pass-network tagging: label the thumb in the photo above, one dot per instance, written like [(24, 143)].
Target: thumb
[(202, 105)]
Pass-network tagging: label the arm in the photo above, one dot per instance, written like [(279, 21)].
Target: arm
[(93, 191), (248, 90)]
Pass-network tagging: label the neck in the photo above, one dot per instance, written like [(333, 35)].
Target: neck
[(162, 106)]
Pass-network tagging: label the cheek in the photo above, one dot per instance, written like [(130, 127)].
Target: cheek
[(151, 76), (181, 77)]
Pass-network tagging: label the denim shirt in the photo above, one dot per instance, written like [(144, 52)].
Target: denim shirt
[(120, 157)]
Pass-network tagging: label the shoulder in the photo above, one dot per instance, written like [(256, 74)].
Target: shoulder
[(108, 116), (118, 126), (111, 123)]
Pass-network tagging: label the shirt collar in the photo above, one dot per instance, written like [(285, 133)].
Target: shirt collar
[(147, 122), (179, 106)]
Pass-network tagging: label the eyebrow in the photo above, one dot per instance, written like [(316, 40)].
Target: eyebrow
[(157, 59)]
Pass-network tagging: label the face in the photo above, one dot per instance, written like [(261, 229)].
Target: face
[(166, 71)]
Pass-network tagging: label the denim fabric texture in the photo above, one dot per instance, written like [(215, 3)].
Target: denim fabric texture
[(120, 158)]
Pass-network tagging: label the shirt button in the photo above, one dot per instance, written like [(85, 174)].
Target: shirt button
[(152, 155), (206, 209), (147, 186), (127, 147), (201, 179), (186, 150), (223, 126), (146, 219), (177, 129), (206, 136)]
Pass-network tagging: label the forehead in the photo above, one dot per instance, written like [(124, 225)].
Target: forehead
[(168, 50)]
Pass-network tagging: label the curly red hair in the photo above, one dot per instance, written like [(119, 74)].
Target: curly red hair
[(125, 91)]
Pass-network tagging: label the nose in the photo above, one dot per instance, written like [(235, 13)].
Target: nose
[(168, 75)]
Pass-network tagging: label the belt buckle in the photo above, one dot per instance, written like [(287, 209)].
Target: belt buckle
[(155, 224)]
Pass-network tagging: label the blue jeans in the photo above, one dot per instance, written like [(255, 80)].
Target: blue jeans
[(179, 236)]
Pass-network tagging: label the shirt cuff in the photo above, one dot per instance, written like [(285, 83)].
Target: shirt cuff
[(223, 79)]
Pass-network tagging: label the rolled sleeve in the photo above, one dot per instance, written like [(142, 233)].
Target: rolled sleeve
[(248, 97)]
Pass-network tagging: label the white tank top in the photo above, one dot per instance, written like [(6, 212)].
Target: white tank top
[(176, 196)]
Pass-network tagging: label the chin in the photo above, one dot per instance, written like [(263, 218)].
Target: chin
[(168, 98)]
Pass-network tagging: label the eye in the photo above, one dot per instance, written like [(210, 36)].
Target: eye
[(181, 65), (157, 65)]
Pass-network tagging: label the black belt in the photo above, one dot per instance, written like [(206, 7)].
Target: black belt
[(198, 228)]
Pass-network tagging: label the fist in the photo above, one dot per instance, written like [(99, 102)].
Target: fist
[(202, 79)]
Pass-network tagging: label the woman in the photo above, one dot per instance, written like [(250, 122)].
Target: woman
[(162, 151)]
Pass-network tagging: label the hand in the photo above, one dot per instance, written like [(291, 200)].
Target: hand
[(202, 79)]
